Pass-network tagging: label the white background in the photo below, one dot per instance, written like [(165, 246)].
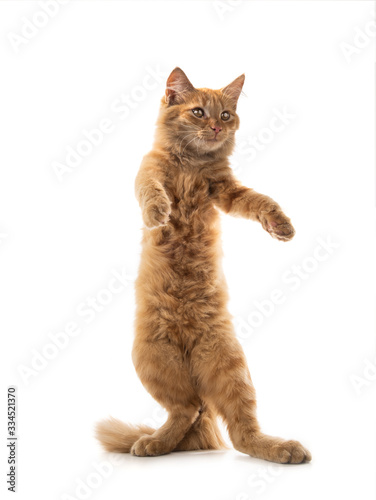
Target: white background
[(60, 241)]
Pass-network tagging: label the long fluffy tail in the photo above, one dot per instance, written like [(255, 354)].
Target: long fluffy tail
[(117, 436)]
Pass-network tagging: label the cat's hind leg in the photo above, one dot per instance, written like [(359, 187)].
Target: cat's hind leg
[(161, 368), (220, 367), (204, 434)]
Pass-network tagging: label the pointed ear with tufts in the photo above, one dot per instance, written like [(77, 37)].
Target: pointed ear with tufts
[(234, 90), (177, 86)]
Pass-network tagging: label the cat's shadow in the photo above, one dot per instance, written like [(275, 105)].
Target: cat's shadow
[(130, 461), (127, 460)]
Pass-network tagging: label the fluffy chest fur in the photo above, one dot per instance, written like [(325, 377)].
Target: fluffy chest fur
[(193, 214), (180, 274)]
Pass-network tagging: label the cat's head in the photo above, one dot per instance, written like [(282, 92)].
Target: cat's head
[(198, 121)]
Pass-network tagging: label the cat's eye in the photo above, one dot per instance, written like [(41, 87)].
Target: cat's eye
[(225, 115), (198, 112)]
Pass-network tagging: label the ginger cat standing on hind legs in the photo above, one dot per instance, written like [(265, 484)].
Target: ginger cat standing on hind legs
[(185, 350)]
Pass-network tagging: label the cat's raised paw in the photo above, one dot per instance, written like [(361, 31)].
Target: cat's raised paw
[(278, 225), (157, 212)]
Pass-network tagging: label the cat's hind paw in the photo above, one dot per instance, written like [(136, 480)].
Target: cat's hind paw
[(147, 446)]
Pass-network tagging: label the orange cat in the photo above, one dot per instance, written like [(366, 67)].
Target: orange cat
[(185, 350)]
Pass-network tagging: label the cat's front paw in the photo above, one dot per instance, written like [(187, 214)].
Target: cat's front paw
[(278, 225), (157, 211)]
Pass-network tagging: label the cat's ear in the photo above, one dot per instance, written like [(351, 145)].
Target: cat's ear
[(234, 90), (177, 86)]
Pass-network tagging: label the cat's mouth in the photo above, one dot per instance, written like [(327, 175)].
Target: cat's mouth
[(213, 139)]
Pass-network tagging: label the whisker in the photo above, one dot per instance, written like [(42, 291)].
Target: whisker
[(185, 137), (189, 143)]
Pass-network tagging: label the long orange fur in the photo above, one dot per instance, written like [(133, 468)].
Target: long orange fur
[(185, 349)]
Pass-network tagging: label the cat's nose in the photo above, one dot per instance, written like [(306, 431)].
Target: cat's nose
[(216, 129)]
